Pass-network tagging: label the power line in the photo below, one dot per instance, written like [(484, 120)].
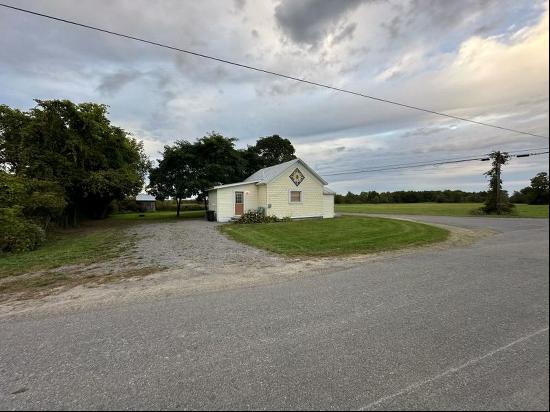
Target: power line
[(512, 152), (245, 66), (433, 163)]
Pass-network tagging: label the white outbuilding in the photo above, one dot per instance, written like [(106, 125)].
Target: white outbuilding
[(145, 202), (291, 189)]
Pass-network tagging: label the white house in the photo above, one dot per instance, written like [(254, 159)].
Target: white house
[(290, 189)]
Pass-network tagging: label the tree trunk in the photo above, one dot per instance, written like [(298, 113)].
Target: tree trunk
[(74, 217), (178, 206), (205, 205)]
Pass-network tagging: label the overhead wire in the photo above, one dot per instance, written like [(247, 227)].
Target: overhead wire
[(266, 71), (423, 164), (475, 156)]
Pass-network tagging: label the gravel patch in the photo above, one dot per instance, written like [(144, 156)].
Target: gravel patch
[(194, 244)]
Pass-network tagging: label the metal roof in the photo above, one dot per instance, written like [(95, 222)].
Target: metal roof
[(267, 174), (144, 197)]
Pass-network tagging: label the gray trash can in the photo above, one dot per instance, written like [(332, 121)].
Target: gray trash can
[(211, 215)]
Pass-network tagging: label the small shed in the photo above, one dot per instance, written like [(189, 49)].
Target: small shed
[(146, 203)]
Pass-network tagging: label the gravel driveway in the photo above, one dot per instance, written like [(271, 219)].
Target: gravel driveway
[(195, 244)]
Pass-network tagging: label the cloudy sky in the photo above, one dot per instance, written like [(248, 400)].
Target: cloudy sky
[(486, 60)]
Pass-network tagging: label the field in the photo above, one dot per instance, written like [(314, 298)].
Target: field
[(438, 209), (338, 236)]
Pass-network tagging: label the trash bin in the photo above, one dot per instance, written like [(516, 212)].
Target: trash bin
[(211, 215)]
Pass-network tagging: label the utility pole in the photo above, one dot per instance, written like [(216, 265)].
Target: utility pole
[(499, 158), (494, 203)]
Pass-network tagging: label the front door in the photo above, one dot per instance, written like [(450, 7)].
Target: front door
[(239, 203)]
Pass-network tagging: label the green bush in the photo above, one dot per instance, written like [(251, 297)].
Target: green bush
[(259, 216), (18, 234)]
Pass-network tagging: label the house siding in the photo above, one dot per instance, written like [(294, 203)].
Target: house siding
[(312, 195), (225, 200), (262, 196), (328, 206)]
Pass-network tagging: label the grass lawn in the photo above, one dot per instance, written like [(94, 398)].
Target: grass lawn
[(92, 242), (438, 209), (338, 236)]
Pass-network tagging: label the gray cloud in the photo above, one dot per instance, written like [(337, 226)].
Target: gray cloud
[(239, 4), (433, 61), (309, 21), (112, 83), (346, 33), (429, 18)]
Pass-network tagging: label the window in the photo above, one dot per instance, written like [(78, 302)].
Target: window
[(295, 196), (238, 197)]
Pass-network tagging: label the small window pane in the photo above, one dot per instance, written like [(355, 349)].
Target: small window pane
[(238, 197), (295, 196)]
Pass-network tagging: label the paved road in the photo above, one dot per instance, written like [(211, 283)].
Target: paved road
[(462, 328)]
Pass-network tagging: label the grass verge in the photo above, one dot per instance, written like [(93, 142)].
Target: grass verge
[(338, 236), (84, 245), (439, 209)]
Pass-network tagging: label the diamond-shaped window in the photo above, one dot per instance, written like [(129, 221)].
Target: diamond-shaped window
[(297, 177)]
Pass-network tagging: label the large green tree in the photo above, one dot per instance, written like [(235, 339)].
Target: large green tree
[(175, 175), (535, 194), (190, 169), (217, 162), (75, 146), (538, 195), (268, 151)]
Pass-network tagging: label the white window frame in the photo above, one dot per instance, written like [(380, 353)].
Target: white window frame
[(290, 197)]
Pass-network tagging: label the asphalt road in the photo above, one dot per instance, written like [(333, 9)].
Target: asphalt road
[(463, 328)]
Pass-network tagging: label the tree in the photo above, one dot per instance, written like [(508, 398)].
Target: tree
[(76, 147), (26, 208), (539, 189), (536, 193), (217, 163), (519, 196), (497, 200), (268, 151), (176, 175), (190, 169)]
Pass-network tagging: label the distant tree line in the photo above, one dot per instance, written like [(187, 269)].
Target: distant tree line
[(413, 196), (188, 169), (61, 162)]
